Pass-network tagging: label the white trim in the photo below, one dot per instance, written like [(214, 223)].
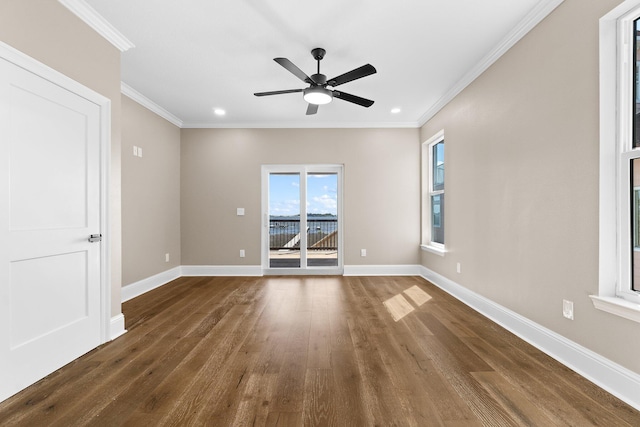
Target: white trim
[(117, 326), (533, 18), (433, 249), (608, 256), (617, 306), (221, 270), (32, 65), (617, 380), (382, 270), (145, 285), (149, 104), (437, 137), (89, 16), (105, 216), (302, 125)]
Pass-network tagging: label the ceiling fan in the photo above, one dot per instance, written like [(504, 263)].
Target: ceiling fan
[(317, 92)]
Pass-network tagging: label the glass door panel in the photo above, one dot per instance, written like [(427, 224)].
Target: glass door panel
[(322, 219), (284, 220)]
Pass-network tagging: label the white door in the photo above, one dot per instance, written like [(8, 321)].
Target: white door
[(302, 229), (50, 290)]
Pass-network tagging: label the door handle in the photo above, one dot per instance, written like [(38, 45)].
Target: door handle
[(95, 238)]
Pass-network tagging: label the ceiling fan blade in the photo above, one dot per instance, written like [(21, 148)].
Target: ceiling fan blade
[(312, 109), (358, 73), (278, 92), (352, 98), (291, 67)]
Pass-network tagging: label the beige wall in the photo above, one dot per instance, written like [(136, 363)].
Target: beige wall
[(48, 32), (522, 182), (150, 194), (221, 171)]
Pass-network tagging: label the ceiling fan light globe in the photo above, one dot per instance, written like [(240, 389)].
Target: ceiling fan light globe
[(317, 95)]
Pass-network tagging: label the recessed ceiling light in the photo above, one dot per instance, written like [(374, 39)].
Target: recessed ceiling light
[(219, 112), (395, 110)]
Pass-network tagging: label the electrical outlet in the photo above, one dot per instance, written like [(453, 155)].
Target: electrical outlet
[(166, 257), (241, 253), (567, 309), (139, 151), (363, 252), (458, 267)]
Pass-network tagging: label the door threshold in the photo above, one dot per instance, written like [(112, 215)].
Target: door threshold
[(338, 271)]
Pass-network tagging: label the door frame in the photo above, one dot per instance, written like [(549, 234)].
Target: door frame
[(39, 69), (303, 170)]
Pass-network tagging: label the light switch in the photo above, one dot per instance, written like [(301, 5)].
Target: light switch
[(139, 151), (135, 151), (240, 211)]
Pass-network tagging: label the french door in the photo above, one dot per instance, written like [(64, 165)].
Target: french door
[(302, 220)]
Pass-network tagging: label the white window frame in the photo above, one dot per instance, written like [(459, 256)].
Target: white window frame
[(427, 191), (616, 108)]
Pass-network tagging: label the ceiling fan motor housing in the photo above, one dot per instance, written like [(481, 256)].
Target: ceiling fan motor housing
[(319, 79)]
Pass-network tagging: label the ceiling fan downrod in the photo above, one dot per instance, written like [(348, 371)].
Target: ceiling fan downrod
[(318, 53)]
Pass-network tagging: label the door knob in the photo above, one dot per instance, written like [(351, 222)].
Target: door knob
[(95, 238)]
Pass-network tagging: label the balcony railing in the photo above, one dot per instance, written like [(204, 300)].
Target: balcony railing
[(322, 234)]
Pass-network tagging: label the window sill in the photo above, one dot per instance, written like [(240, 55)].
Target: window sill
[(433, 250), (617, 306)]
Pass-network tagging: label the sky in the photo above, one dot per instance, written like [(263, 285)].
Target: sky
[(284, 194)]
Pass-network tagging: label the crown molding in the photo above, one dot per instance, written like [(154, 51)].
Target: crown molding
[(298, 125), (149, 104), (533, 18), (93, 19)]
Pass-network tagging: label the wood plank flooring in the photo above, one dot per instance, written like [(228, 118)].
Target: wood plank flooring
[(294, 351)]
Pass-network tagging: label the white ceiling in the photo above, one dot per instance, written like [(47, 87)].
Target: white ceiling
[(192, 56)]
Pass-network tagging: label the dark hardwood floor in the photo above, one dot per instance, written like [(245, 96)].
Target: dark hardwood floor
[(292, 351)]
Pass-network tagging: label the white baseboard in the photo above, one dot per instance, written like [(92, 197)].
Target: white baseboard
[(382, 270), (617, 380), (222, 270), (145, 285), (116, 328)]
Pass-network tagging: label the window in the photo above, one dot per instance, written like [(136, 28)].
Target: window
[(619, 277), (628, 142), (433, 218)]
